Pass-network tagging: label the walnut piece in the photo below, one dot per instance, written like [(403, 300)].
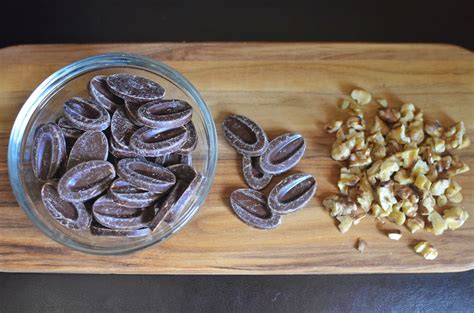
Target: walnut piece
[(455, 217), (361, 97), (339, 205), (427, 251), (333, 127), (361, 245), (394, 234)]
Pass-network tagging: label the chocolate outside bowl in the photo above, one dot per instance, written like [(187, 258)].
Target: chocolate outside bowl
[(46, 104)]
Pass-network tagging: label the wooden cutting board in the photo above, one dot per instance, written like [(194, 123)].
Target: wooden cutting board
[(284, 87)]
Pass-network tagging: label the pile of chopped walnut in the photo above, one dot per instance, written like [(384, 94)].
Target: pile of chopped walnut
[(399, 168)]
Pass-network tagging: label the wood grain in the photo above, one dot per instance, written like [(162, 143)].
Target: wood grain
[(285, 87)]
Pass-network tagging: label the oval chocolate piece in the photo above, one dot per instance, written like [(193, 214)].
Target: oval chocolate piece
[(68, 130), (48, 151), (283, 153), (73, 215), (174, 158), (131, 109), (244, 135), (121, 152), (165, 114), (121, 128), (187, 182), (111, 214), (191, 140), (86, 181), (150, 142), (130, 196), (99, 91), (251, 207), (146, 175), (86, 115), (135, 88), (253, 174), (292, 193), (92, 145), (98, 230)]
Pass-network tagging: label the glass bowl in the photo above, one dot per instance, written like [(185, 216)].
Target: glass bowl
[(45, 105)]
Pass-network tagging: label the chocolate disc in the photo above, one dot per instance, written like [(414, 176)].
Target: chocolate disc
[(110, 214), (86, 181), (130, 196), (244, 135), (121, 129), (73, 215), (251, 207), (292, 193), (150, 142), (68, 130), (98, 230), (253, 174), (174, 158), (191, 140), (134, 88), (146, 175), (86, 115), (165, 114), (48, 151), (283, 153), (92, 145), (131, 110), (100, 92), (187, 182)]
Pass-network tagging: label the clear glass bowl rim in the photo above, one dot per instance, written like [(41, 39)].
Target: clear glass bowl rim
[(62, 77)]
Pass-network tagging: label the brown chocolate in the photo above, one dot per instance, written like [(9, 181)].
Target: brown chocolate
[(146, 175), (244, 135), (48, 151), (191, 139), (131, 110), (292, 193), (130, 196), (99, 230), (187, 182), (134, 88), (99, 91), (86, 115), (86, 181), (283, 153), (69, 131), (253, 174), (174, 158), (73, 215), (112, 215), (165, 114), (92, 145), (150, 142), (251, 207), (121, 129)]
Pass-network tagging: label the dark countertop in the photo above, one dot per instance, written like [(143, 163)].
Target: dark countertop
[(46, 21), (452, 292)]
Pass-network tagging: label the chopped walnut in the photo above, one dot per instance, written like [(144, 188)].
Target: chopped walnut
[(438, 224), (455, 217), (415, 224), (394, 234), (434, 129), (426, 250), (389, 115), (339, 205), (360, 96), (345, 104), (401, 168), (361, 245), (347, 179), (345, 223), (382, 102), (333, 127)]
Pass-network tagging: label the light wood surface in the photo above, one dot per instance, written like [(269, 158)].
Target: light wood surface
[(284, 87)]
